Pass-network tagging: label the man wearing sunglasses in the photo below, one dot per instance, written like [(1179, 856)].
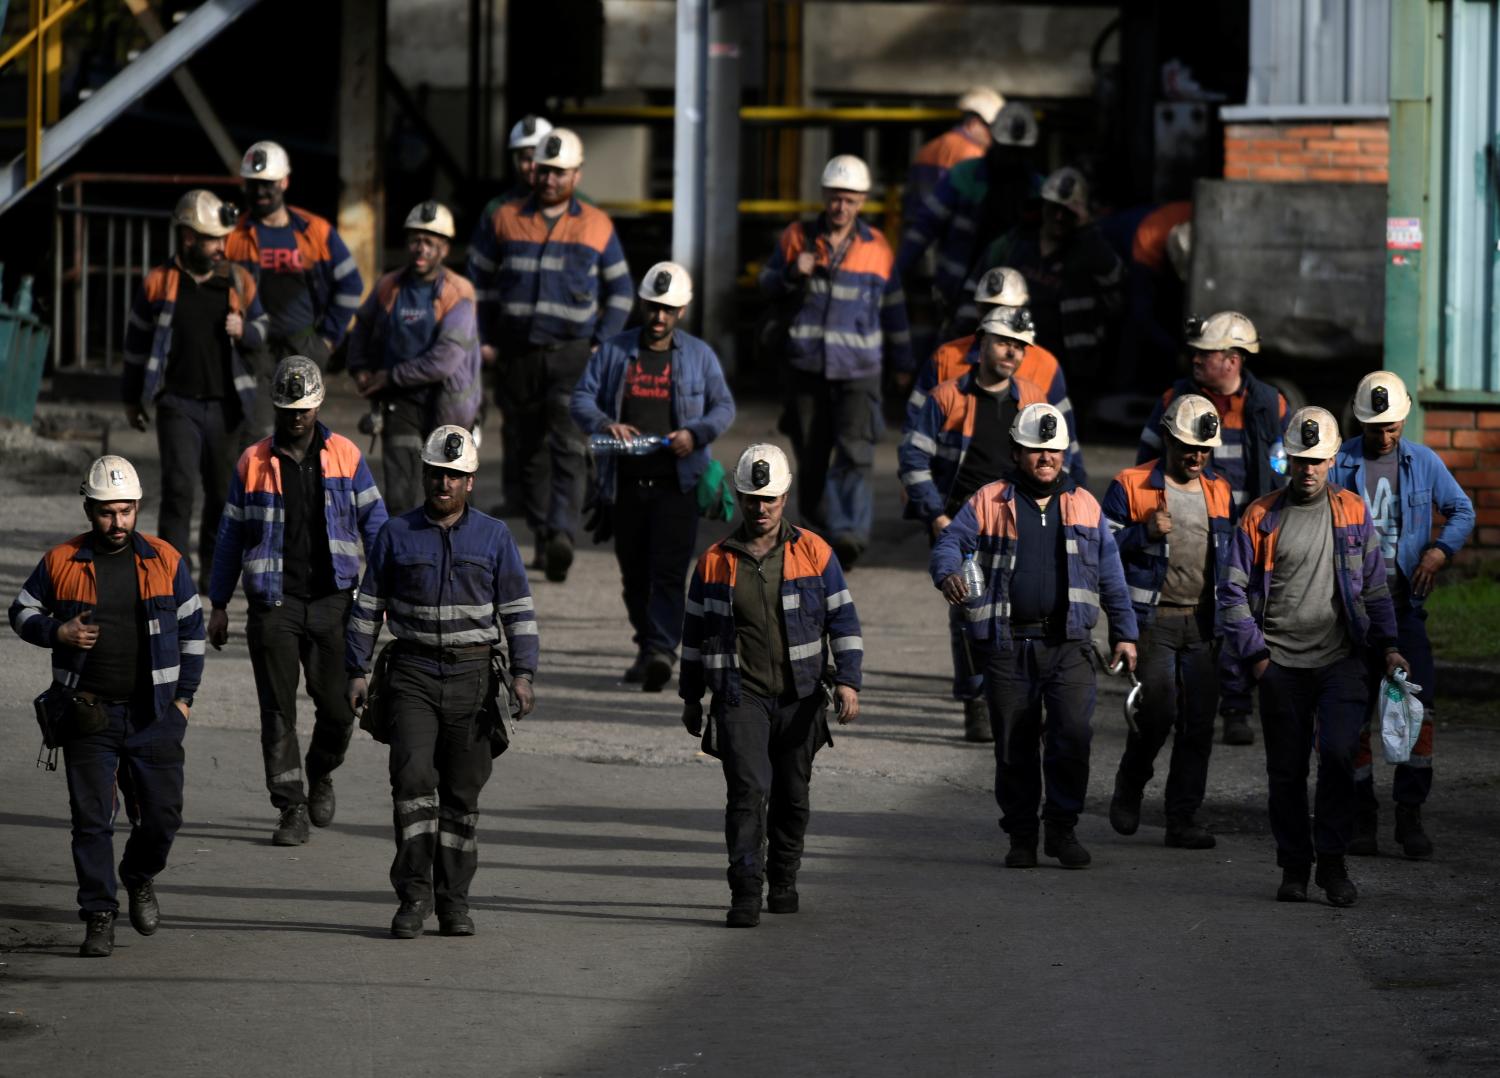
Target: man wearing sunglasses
[(1402, 483), (1171, 519), (1304, 604)]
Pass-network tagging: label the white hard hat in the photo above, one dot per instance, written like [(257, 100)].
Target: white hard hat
[(1012, 322), (1194, 420), (431, 217), (667, 283), (1312, 432), (982, 102), (846, 173), (1067, 187), (451, 447), (297, 383), (1040, 426), (204, 212), (529, 131), (1002, 285), (265, 161), (1382, 397), (764, 471), (1227, 329), (1014, 125), (1180, 248), (560, 149), (112, 479)]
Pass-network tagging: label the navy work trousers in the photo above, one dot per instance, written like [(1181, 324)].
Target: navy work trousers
[(198, 449), (656, 529), (1412, 783)]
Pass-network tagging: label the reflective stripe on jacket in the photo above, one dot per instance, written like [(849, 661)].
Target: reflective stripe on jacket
[(817, 610), (1359, 569), (1132, 497), (63, 585), (457, 587), (847, 318), (334, 281), (933, 448), (148, 334), (251, 529), (986, 528)]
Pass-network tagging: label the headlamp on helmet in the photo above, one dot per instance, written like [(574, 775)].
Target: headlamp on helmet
[(1208, 425), (760, 474), (1047, 427), (1310, 433), (1380, 400), (453, 446)]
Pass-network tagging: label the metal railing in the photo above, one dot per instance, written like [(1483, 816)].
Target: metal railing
[(101, 254), (42, 46)]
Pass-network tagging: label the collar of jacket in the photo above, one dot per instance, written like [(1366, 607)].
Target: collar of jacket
[(1352, 452), (638, 343), (426, 522), (861, 230), (968, 382), (247, 222), (531, 206), (85, 551), (737, 540), (317, 445)]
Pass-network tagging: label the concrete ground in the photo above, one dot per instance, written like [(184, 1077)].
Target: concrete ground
[(600, 896)]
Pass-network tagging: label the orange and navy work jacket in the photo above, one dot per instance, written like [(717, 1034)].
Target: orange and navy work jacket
[(817, 612), (148, 334), (986, 528), (932, 163), (63, 585), (333, 279), (1132, 497)]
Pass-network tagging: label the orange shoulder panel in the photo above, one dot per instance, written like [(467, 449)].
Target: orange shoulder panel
[(456, 288), (387, 288), (343, 455), (1038, 365), (71, 582), (951, 359), (160, 285), (241, 244), (806, 556), (591, 228), (953, 147), (1348, 507), (1141, 498), (262, 473), (1028, 392), (1080, 508), (717, 566), (871, 256), (1149, 247), (994, 514), (793, 241), (158, 575), (1218, 494), (313, 240)]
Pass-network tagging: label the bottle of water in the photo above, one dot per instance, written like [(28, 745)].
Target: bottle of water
[(1278, 457), (638, 445), (973, 577)]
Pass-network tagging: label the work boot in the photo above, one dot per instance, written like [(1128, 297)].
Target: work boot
[(455, 923), (559, 557), (744, 912), (1125, 807), (782, 897), (635, 673), (145, 913), (1365, 843), (1293, 883), (1185, 833), (98, 935), (977, 726), (658, 672), (320, 802), (1237, 729), (407, 924), (1409, 833), (1022, 852), (1333, 877), (291, 829), (1060, 842)]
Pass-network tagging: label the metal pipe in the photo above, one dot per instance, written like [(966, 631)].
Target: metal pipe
[(125, 293), (57, 281), (109, 292), (83, 298), (769, 114)]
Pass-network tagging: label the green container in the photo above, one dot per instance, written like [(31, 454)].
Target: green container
[(23, 352)]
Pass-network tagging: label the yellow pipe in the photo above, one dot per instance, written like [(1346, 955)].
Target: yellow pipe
[(752, 207), (44, 23), (769, 114), (53, 47), (34, 82)]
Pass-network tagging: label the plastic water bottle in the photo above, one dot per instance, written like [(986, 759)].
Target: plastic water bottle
[(1278, 457), (973, 577), (638, 445)]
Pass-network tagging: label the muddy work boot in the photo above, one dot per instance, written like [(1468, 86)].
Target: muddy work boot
[(782, 897), (1125, 808), (1293, 883), (292, 828), (145, 912), (1022, 852), (1237, 729), (1063, 844), (744, 912), (99, 935), (1333, 877), (1185, 833), (407, 924), (1364, 843), (1410, 836), (321, 802), (977, 726)]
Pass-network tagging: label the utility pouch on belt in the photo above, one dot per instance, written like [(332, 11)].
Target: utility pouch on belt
[(501, 708), (375, 718)]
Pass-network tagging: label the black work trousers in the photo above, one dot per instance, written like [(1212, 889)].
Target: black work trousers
[(766, 747), (198, 440), (834, 426), (656, 531), (440, 760), (537, 381), (1321, 709), (404, 429), (1178, 670), (1031, 755), (285, 640)]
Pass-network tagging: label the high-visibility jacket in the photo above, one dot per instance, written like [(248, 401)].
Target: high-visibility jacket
[(817, 612), (932, 163), (250, 537), (986, 528), (444, 368), (458, 587), (850, 315), (536, 286), (1132, 497), (332, 275), (1359, 570), (63, 585), (1250, 430), (148, 334), (1425, 484), (933, 448)]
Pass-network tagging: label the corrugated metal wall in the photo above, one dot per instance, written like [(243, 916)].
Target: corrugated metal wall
[(1469, 352), (1319, 52)]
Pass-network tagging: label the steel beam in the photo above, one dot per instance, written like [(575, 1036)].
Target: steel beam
[(721, 227), (689, 148), (361, 219)]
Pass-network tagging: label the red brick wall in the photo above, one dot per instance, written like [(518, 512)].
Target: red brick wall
[(1468, 440), (1303, 152)]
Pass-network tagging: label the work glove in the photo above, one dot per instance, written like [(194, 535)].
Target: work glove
[(692, 718)]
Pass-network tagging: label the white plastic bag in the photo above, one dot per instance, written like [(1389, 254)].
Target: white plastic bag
[(1400, 717)]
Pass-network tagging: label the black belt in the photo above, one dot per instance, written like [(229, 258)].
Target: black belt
[(1180, 610), (1039, 630), (472, 653)]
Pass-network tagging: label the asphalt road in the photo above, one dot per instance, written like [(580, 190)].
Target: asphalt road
[(600, 895)]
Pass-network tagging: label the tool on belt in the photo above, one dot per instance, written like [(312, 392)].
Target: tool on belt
[(65, 714), (1133, 699), (502, 708), (375, 716)]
